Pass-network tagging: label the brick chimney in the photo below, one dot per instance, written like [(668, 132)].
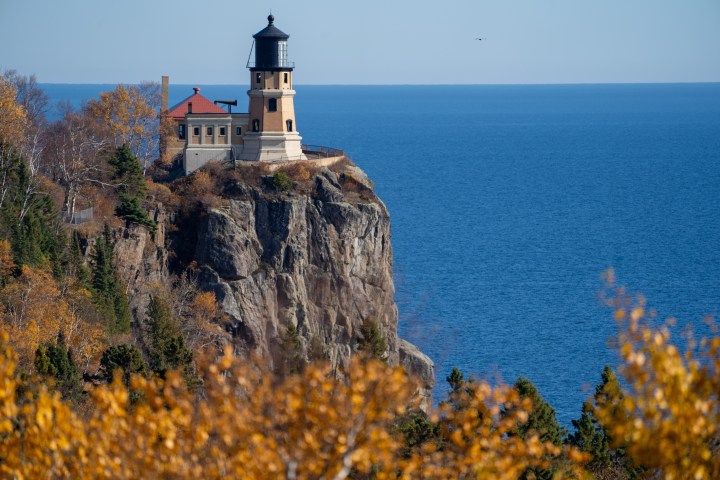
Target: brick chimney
[(164, 94)]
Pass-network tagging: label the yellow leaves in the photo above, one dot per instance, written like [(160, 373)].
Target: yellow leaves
[(7, 264), (13, 119), (669, 417), (36, 310), (127, 115)]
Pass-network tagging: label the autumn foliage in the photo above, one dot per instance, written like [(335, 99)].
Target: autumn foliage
[(669, 417), (249, 424)]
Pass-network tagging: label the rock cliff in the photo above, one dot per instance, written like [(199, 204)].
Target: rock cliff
[(316, 258)]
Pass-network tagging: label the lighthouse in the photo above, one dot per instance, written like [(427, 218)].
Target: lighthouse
[(205, 132), (271, 132)]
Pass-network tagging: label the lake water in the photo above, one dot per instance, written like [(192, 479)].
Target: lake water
[(507, 203)]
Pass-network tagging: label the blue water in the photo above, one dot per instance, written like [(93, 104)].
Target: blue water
[(508, 202)]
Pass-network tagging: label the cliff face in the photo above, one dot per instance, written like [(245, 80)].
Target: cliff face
[(318, 259)]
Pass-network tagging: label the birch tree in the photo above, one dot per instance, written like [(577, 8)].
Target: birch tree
[(129, 116)]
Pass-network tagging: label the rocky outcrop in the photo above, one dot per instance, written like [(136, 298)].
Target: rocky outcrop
[(413, 360), (315, 261), (142, 260)]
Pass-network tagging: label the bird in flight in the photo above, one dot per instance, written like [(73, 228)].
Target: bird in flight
[(478, 38)]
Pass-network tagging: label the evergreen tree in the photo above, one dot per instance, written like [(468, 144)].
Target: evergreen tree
[(541, 421), (456, 380), (371, 340), (128, 358), (27, 216), (131, 209), (416, 429), (460, 387), (107, 290), (128, 171), (292, 351), (167, 347), (589, 436), (55, 360), (76, 264), (131, 184)]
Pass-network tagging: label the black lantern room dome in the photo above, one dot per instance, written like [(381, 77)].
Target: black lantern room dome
[(271, 31), (271, 48)]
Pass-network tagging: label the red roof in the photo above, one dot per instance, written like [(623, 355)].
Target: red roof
[(200, 104)]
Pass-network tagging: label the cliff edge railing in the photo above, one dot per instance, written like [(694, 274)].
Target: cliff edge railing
[(318, 155)]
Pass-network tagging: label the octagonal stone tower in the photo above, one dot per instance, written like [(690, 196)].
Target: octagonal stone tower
[(272, 132)]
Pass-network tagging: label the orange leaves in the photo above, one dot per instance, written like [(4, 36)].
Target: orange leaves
[(7, 264)]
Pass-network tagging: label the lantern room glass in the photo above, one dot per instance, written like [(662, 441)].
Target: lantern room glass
[(282, 53)]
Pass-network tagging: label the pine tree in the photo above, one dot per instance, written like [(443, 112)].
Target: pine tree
[(128, 171), (128, 358), (371, 340), (27, 216), (591, 437), (131, 209), (76, 264), (292, 351), (55, 360), (131, 184), (541, 421), (416, 429), (167, 347), (460, 388), (456, 380), (107, 290)]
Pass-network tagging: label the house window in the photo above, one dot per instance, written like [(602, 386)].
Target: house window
[(196, 131), (272, 105), (288, 124), (256, 125), (222, 131), (285, 77), (258, 77), (181, 131), (209, 131), (238, 131)]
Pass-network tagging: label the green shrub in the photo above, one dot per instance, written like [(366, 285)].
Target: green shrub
[(282, 182)]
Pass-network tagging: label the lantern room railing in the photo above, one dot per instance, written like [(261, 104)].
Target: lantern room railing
[(271, 67)]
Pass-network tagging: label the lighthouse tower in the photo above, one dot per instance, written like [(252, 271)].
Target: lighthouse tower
[(271, 132)]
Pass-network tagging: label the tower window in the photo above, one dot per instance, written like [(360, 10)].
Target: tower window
[(258, 77), (181, 131), (196, 131), (238, 131), (272, 105), (209, 131), (285, 77), (256, 125), (288, 124), (222, 131)]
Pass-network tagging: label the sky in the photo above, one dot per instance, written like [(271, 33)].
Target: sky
[(366, 42)]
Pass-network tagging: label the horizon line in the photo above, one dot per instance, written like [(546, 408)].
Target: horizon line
[(407, 84)]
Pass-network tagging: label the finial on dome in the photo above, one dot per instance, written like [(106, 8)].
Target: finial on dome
[(271, 19)]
